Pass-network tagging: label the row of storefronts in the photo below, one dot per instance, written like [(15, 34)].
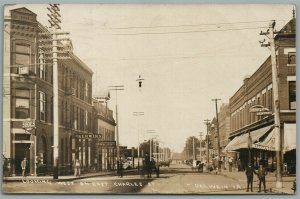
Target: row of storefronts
[(246, 123), (252, 137), (84, 123)]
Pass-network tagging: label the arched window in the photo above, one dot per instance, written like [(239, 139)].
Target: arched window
[(291, 58)]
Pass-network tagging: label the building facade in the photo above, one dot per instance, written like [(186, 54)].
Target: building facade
[(251, 108), (224, 125), (104, 155), (28, 100)]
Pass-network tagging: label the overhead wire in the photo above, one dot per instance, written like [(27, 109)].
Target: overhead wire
[(193, 31), (192, 25)]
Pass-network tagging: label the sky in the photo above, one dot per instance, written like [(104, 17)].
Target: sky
[(188, 54)]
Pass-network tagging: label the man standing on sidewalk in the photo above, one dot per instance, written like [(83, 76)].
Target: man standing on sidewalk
[(261, 174), (249, 173), (120, 169), (24, 165), (230, 164), (77, 168)]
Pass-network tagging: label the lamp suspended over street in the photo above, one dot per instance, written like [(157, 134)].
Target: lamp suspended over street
[(140, 81)]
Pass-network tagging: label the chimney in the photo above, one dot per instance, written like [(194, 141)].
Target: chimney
[(246, 78)]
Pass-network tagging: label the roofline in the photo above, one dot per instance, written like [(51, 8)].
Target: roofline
[(269, 57), (71, 54)]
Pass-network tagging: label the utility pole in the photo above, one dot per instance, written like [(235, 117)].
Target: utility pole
[(200, 147), (51, 46), (218, 134), (278, 140), (207, 122), (151, 139), (194, 154), (117, 88), (138, 130), (140, 80)]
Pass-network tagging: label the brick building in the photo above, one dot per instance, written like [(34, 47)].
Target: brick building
[(28, 97), (256, 93), (224, 125)]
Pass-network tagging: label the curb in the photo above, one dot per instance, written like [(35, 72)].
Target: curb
[(279, 191), (49, 178)]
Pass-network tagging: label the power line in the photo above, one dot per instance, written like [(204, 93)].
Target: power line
[(194, 31), (191, 25)]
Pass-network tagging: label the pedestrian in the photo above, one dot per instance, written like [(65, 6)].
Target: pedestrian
[(249, 173), (148, 165), (198, 166), (77, 168), (24, 165), (261, 174), (230, 164), (120, 169)]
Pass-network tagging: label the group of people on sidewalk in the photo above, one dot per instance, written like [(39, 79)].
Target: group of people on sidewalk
[(261, 174)]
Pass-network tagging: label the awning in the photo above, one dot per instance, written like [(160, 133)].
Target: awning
[(268, 143), (289, 139), (241, 141)]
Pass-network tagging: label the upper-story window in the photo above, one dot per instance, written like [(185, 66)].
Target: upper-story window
[(86, 89), (42, 106), (42, 64), (291, 58), (86, 118), (22, 103), (292, 94), (22, 58)]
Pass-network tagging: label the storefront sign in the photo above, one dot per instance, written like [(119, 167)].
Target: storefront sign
[(28, 125), (264, 113), (258, 108), (107, 143), (22, 137), (87, 136)]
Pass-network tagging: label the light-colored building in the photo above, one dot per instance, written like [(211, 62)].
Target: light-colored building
[(104, 155)]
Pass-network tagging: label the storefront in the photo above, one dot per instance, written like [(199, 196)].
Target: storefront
[(258, 146)]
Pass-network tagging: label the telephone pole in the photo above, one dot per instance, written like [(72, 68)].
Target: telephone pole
[(140, 81), (218, 134), (200, 157), (138, 132), (278, 140), (51, 46), (194, 154), (117, 88), (207, 122)]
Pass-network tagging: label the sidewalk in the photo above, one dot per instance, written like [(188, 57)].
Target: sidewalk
[(270, 181), (61, 178)]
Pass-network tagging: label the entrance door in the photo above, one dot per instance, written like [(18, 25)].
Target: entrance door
[(21, 150)]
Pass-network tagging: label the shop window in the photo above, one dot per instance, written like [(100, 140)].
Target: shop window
[(291, 58), (292, 95), (22, 104)]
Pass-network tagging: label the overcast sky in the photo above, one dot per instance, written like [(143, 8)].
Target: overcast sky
[(187, 54)]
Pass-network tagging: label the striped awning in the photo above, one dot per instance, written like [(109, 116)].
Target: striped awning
[(241, 142), (289, 141)]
